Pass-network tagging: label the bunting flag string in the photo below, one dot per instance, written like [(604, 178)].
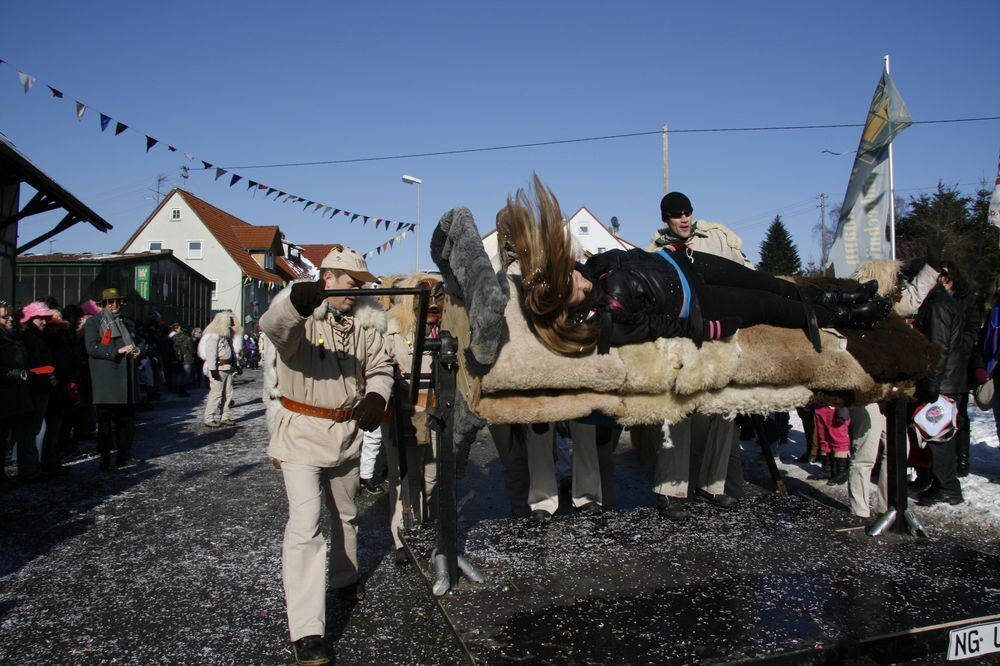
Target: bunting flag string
[(387, 245), (27, 81)]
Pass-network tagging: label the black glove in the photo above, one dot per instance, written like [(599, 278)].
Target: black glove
[(306, 296), (369, 411), (716, 329), (925, 392)]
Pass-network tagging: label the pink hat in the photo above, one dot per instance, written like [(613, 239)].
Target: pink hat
[(35, 310), (91, 308)]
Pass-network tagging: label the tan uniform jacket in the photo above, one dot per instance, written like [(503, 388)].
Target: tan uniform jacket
[(915, 292), (719, 240), (326, 382)]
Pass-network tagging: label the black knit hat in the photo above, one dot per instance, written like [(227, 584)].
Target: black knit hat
[(674, 204)]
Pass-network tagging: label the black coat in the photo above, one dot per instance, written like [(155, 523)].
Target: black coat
[(14, 399), (940, 319), (646, 297)]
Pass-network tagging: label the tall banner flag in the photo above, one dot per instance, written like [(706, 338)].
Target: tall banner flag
[(863, 230), (995, 201)]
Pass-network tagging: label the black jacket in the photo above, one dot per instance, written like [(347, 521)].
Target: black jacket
[(940, 319), (642, 297)]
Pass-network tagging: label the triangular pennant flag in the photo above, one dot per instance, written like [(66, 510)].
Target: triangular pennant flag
[(308, 203), (27, 80), (378, 250), (385, 246), (391, 241), (207, 165), (251, 184), (171, 149), (81, 108), (318, 206), (235, 179), (355, 216), (400, 225), (2, 61), (269, 190), (326, 209), (366, 218), (218, 172), (413, 226), (335, 211), (120, 127), (347, 213), (377, 222), (104, 122), (150, 142), (55, 93), (299, 199), (189, 157)]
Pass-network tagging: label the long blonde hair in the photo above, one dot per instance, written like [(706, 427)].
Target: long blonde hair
[(221, 325), (545, 253)]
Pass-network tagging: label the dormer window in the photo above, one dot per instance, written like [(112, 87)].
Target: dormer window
[(584, 229), (269, 260)]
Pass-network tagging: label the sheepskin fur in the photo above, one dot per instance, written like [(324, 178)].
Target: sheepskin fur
[(546, 406), (886, 271), (402, 308), (457, 249)]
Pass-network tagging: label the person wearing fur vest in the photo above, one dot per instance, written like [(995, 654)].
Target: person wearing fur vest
[(418, 445), (335, 378), (217, 351)]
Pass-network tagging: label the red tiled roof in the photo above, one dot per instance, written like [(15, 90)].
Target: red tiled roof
[(316, 253), (256, 238)]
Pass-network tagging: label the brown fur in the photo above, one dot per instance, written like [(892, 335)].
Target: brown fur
[(403, 308)]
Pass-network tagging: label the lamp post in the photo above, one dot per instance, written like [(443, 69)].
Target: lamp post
[(413, 180)]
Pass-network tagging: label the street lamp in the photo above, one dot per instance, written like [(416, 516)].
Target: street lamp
[(413, 180)]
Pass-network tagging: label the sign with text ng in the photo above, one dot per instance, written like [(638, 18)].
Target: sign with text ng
[(142, 281), (974, 641)]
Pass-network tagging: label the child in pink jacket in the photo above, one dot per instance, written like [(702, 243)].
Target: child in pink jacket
[(833, 426)]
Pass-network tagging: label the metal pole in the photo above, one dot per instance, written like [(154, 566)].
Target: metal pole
[(896, 419), (665, 172), (765, 448), (416, 233), (892, 189), (446, 369)]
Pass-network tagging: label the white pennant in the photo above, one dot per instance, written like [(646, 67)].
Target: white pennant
[(27, 80), (81, 109)]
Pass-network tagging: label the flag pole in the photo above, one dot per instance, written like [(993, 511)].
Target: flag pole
[(892, 190)]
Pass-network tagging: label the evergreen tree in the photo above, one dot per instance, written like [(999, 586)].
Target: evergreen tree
[(778, 254), (947, 225)]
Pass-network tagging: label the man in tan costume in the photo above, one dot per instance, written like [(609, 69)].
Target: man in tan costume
[(335, 377)]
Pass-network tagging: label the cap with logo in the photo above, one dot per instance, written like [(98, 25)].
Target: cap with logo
[(345, 259)]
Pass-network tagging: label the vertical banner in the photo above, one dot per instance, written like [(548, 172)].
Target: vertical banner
[(863, 228), (142, 281)]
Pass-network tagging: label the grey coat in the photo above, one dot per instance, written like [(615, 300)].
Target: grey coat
[(112, 375)]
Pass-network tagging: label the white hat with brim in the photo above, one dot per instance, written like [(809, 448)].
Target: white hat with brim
[(345, 259)]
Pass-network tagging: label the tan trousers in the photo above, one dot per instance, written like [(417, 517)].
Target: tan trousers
[(867, 432), (714, 436), (421, 468), (220, 394), (543, 492), (304, 551)]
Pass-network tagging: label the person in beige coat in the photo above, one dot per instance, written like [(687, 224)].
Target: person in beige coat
[(419, 445), (713, 435), (216, 349), (335, 378)]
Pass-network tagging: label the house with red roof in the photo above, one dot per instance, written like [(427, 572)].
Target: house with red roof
[(247, 264)]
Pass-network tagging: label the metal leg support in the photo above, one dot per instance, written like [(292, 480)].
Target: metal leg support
[(765, 447), (898, 517)]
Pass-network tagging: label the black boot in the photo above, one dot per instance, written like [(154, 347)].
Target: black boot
[(962, 453), (860, 294), (827, 461), (862, 315), (838, 472)]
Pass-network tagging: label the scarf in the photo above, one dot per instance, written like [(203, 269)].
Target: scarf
[(116, 326), (666, 236)]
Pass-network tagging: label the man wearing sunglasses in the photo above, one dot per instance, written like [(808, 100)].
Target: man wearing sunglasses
[(113, 352)]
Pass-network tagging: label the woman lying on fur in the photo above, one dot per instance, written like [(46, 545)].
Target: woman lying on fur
[(620, 297)]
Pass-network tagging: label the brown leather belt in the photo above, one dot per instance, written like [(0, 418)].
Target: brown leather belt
[(339, 415), (224, 361)]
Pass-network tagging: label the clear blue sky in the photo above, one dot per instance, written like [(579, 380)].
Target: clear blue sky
[(244, 83)]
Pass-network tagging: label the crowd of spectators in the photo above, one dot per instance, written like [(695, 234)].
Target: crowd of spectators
[(47, 409)]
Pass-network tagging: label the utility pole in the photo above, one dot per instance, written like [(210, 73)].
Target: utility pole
[(822, 230), (666, 187)]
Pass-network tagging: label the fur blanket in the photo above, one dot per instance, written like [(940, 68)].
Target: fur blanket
[(759, 370)]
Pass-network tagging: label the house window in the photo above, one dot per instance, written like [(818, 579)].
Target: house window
[(600, 249), (155, 246), (194, 249), (269, 260), (215, 290), (584, 228), (175, 213)]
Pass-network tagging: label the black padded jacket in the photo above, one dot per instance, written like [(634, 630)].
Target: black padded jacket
[(940, 319)]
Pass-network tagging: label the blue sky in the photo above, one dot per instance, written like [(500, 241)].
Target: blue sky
[(249, 83)]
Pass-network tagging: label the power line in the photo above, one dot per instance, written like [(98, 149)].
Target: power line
[(606, 137)]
